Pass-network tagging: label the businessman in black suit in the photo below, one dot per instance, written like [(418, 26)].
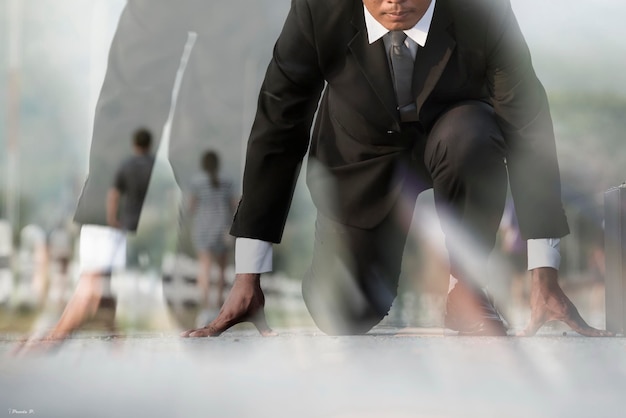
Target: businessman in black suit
[(476, 120)]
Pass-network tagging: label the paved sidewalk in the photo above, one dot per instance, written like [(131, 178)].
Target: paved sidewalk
[(301, 373)]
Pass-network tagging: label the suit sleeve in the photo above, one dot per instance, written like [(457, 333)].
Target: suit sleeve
[(136, 92), (522, 110), (280, 134)]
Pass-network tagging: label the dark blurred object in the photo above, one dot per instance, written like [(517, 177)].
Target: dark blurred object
[(615, 249)]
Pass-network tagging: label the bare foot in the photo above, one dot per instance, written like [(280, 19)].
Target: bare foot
[(245, 303), (549, 303)]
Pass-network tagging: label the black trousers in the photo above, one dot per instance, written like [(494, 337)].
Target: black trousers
[(354, 274)]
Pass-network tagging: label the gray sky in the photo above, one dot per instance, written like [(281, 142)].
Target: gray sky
[(576, 44)]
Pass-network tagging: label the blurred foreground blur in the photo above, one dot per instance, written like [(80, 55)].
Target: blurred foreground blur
[(40, 273)]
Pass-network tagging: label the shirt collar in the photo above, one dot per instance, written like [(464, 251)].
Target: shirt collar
[(418, 33)]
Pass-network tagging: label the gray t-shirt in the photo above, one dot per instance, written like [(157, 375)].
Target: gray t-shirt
[(131, 180)]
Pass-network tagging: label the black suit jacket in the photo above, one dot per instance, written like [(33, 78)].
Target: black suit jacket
[(474, 51), (144, 58)]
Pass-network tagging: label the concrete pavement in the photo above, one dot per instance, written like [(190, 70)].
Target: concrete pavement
[(391, 372)]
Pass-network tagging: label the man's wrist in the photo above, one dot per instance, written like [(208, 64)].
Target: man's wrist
[(249, 277)]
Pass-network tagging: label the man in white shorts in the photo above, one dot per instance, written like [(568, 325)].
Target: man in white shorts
[(102, 249)]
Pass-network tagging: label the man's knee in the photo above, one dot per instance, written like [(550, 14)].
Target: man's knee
[(339, 306), (466, 138), (334, 318)]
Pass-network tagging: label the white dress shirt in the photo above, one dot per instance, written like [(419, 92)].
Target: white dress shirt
[(255, 256)]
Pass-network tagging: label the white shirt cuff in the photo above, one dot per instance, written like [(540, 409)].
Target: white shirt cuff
[(252, 256), (544, 252)]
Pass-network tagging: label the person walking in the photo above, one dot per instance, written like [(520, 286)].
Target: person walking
[(103, 249), (211, 206)]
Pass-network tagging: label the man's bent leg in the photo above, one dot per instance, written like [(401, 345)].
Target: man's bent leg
[(353, 278), (465, 156)]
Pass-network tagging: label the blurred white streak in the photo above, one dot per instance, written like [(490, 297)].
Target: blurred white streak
[(163, 168), (426, 227), (165, 140)]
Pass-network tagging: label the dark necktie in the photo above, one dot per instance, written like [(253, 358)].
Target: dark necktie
[(402, 67)]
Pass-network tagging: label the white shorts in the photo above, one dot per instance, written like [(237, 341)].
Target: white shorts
[(102, 248)]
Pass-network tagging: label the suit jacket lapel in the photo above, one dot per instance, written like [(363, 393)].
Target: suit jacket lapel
[(372, 60), (432, 59)]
